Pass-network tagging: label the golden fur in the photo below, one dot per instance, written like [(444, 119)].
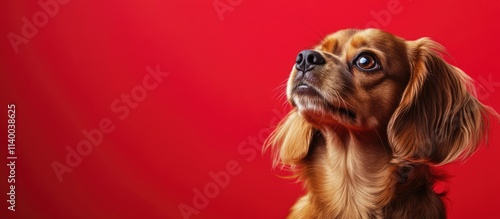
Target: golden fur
[(364, 142)]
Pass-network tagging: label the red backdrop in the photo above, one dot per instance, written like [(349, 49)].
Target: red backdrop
[(158, 109)]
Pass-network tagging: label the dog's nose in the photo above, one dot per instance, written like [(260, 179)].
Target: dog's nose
[(307, 59)]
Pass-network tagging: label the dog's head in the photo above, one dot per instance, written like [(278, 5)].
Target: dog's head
[(353, 78), (372, 81)]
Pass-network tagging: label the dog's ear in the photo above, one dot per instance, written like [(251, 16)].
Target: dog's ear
[(439, 119), (290, 141)]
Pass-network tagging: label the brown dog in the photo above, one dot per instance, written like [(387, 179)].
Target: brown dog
[(372, 114)]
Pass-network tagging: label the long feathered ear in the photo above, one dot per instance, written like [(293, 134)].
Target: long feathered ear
[(439, 119), (290, 141)]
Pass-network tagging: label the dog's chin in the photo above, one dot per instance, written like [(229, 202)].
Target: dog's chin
[(320, 112)]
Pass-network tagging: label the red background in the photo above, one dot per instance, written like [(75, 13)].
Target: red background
[(220, 94)]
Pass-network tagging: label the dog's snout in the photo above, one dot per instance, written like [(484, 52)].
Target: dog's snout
[(307, 59)]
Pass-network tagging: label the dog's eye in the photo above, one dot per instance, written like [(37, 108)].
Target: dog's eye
[(367, 62)]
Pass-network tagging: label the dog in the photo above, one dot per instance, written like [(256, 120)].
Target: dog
[(371, 117)]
